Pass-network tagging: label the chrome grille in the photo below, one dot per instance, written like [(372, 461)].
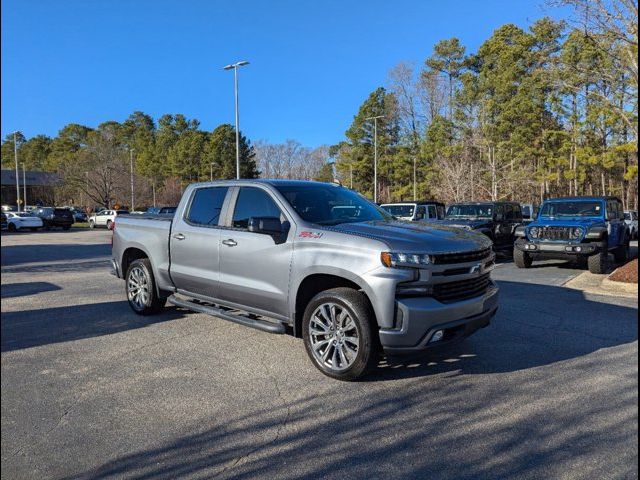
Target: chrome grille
[(462, 257)]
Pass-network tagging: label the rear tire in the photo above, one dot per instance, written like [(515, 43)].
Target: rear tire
[(109, 224), (522, 259), (599, 263), (92, 224), (140, 287), (623, 252), (340, 334), (12, 227)]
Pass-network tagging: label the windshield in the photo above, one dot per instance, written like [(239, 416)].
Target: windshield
[(400, 210), (331, 205), (470, 211), (572, 209)]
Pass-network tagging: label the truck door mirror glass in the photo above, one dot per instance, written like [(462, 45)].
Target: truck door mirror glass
[(266, 225)]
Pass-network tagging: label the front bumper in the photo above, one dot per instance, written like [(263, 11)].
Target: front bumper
[(420, 317), (559, 248)]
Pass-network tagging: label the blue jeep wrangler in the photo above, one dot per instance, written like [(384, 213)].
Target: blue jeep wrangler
[(583, 229)]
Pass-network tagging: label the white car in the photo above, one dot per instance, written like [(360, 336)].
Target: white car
[(105, 218), (631, 219), (22, 220)]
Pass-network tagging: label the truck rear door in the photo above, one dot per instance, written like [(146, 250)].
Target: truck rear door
[(194, 244)]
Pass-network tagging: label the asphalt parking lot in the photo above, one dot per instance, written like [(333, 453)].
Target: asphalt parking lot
[(90, 390)]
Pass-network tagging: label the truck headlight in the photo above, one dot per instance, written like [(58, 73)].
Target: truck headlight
[(399, 259), (534, 232), (576, 233)]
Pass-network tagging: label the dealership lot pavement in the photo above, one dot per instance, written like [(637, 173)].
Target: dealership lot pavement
[(89, 390)]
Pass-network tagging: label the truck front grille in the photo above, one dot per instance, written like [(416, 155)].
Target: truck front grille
[(555, 233), (461, 290), (462, 257)]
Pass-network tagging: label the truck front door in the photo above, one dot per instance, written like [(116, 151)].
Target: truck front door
[(194, 244), (254, 268)]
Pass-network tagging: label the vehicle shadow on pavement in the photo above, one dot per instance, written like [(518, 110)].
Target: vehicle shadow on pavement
[(33, 328), (535, 325), (14, 255), (10, 290)]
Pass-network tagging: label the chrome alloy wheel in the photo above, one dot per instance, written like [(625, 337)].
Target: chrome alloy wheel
[(334, 337), (138, 287)]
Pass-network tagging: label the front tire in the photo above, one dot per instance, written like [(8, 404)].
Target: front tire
[(340, 334), (599, 263), (12, 228), (522, 259), (141, 290)]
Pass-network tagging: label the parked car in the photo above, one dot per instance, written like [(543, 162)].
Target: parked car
[(3, 221), (281, 256), (416, 211), (55, 217), (496, 220), (79, 215), (583, 229), (105, 218), (529, 212), (631, 219), (22, 221), (9, 208), (161, 210)]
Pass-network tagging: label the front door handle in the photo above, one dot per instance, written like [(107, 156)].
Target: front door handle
[(230, 242), (179, 236)]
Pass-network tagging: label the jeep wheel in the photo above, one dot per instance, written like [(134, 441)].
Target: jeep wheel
[(522, 259), (109, 223), (339, 333), (599, 263), (141, 289)]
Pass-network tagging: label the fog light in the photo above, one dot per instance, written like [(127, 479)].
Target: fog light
[(437, 336), (578, 249)]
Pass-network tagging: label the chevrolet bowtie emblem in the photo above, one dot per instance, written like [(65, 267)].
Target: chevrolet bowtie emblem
[(475, 268)]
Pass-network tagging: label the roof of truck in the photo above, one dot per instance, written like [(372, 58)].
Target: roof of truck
[(582, 199)]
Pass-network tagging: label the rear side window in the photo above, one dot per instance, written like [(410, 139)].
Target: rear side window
[(432, 211), (206, 206), (253, 202)]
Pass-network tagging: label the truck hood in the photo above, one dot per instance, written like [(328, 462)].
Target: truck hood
[(584, 222), (417, 237)]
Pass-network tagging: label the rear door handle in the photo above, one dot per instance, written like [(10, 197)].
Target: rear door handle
[(179, 236), (230, 242)]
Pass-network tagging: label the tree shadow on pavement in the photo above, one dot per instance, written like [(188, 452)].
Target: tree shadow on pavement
[(443, 420)]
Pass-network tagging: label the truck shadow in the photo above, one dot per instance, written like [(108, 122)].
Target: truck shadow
[(14, 255), (536, 325), (33, 328), (10, 290)]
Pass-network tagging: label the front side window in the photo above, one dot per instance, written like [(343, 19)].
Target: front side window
[(400, 210), (251, 203), (206, 206), (471, 211)]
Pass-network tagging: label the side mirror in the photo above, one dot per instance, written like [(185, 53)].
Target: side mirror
[(269, 226)]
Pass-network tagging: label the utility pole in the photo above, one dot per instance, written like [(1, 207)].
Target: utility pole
[(86, 176), (351, 176), (24, 186), (153, 189), (414, 179), (211, 172), (15, 153), (235, 66), (131, 150), (375, 156)]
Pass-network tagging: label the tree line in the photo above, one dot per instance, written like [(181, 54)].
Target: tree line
[(547, 111), (94, 164)]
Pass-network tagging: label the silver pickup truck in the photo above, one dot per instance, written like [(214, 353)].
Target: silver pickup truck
[(314, 260)]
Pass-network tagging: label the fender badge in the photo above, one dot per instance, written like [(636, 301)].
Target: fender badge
[(307, 234)]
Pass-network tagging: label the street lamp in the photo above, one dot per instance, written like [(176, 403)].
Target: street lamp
[(234, 67), (375, 156), (211, 172), (24, 186), (131, 150), (15, 153)]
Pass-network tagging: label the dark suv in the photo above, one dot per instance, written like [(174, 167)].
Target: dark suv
[(55, 217), (497, 220)]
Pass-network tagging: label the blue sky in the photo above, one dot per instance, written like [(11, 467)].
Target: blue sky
[(312, 62)]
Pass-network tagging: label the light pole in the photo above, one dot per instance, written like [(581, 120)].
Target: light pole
[(131, 150), (414, 179), (15, 153), (375, 156), (86, 176), (235, 66), (24, 186), (211, 172)]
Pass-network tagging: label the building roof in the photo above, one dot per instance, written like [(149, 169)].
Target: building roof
[(8, 177)]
